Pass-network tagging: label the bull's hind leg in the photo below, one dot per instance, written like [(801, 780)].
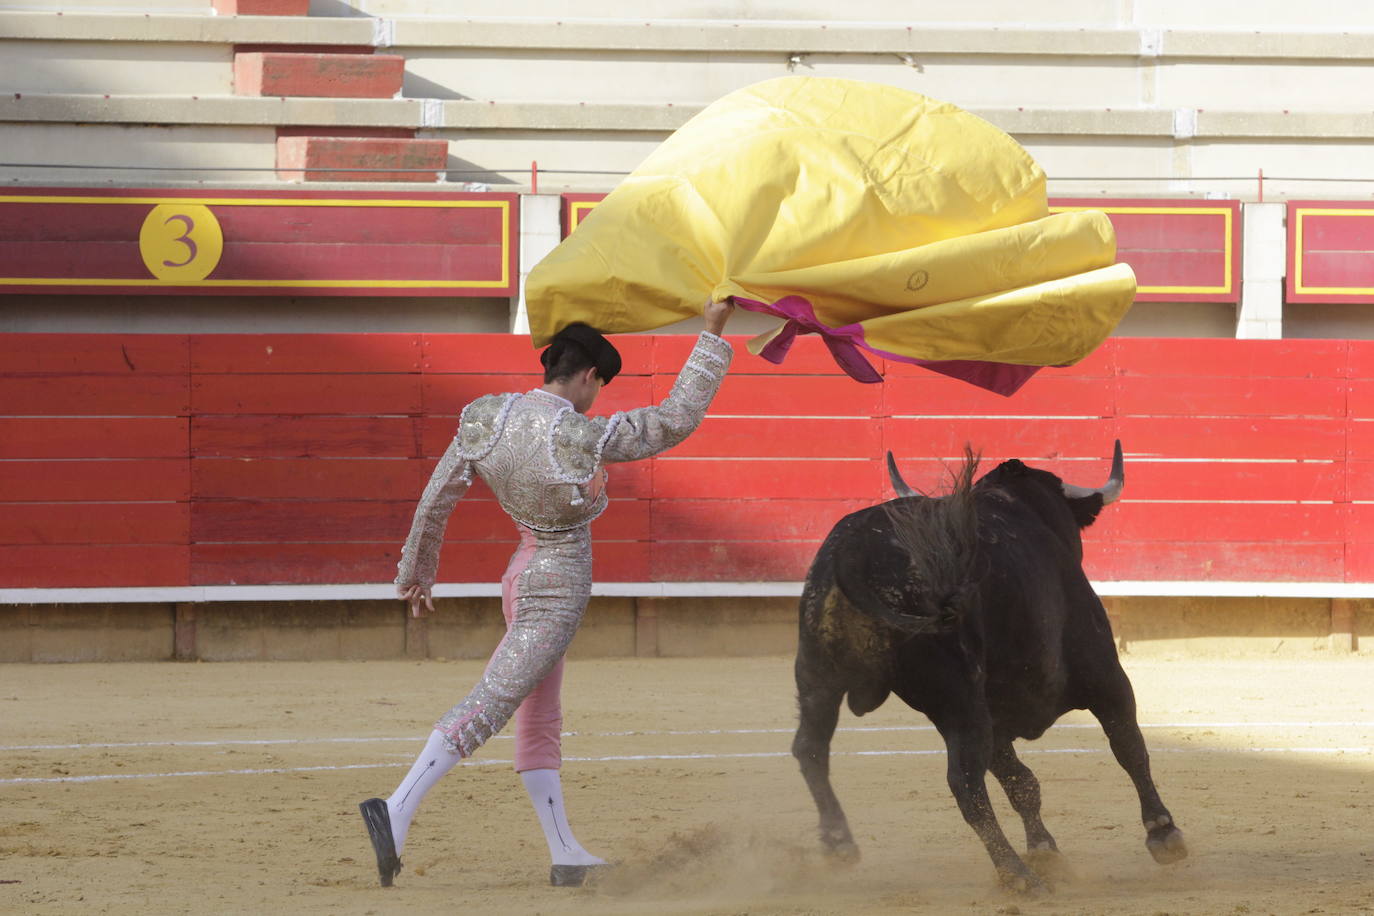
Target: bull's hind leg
[(1023, 791), (820, 711), (968, 739), (1114, 707)]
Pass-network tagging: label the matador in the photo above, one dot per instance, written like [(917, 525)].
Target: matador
[(544, 459)]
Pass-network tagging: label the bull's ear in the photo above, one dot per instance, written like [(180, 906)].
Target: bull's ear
[(1085, 509)]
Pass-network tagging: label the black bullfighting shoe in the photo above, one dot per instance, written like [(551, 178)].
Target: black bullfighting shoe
[(378, 821), (572, 875)]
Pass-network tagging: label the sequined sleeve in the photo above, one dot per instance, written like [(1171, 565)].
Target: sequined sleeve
[(420, 556), (646, 431)]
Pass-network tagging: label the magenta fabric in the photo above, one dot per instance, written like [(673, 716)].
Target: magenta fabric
[(539, 719), (845, 343)]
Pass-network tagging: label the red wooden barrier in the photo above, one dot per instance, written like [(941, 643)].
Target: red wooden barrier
[(169, 460)]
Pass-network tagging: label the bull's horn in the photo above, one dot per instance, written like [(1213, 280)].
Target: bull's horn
[(898, 483), (1111, 490)]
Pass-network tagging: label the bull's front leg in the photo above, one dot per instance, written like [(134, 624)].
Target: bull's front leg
[(820, 711), (969, 744)]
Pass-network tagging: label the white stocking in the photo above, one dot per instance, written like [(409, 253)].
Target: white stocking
[(546, 792), (434, 761)]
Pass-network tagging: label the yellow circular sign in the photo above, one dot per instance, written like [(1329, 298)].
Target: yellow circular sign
[(180, 243)]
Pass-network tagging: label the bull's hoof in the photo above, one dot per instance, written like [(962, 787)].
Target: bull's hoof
[(842, 852), (1050, 865), (1024, 882), (1166, 844)]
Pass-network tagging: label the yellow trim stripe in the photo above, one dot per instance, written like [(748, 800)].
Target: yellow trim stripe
[(1300, 214), (504, 206), (1228, 218)]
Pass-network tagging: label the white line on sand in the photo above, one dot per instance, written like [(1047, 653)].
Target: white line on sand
[(273, 771)]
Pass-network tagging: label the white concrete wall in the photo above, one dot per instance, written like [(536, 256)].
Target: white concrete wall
[(1113, 98)]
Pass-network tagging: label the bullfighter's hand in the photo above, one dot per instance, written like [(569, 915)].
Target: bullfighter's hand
[(716, 314), (419, 598)]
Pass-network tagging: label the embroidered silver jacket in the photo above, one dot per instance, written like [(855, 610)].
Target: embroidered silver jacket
[(543, 459)]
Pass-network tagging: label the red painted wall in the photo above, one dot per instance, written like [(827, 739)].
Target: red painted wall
[(236, 459)]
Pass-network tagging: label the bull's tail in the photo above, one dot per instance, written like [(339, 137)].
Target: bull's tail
[(938, 537)]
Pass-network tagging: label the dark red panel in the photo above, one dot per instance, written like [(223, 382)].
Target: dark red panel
[(93, 437), (82, 566), (323, 242), (125, 395), (94, 523), (348, 395), (305, 353), (94, 354), (95, 480), (1330, 251)]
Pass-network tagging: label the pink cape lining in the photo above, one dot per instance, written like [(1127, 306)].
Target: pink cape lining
[(844, 343)]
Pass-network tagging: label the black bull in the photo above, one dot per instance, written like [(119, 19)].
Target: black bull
[(974, 609)]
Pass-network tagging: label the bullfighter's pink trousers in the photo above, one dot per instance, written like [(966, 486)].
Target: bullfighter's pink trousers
[(539, 719)]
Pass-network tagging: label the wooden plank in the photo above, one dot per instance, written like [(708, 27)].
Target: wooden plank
[(94, 354), (312, 478), (1244, 561), (1199, 522), (94, 566), (1360, 399), (498, 354), (94, 523), (780, 479), (1028, 438), (808, 356), (305, 437), (93, 437), (446, 395), (366, 228), (1238, 480), (1218, 396), (1044, 395), (360, 266), (293, 564), (305, 353), (329, 564), (752, 561), (728, 520), (786, 396), (95, 480), (777, 437), (334, 521), (1226, 437), (1157, 357), (1359, 561), (347, 395), (124, 395)]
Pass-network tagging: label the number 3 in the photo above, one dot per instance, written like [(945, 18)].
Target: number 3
[(184, 238)]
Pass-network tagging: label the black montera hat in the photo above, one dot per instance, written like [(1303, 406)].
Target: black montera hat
[(604, 355)]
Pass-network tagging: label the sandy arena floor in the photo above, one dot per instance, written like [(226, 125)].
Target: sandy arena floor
[(232, 788)]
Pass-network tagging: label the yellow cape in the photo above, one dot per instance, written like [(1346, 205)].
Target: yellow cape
[(920, 228)]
